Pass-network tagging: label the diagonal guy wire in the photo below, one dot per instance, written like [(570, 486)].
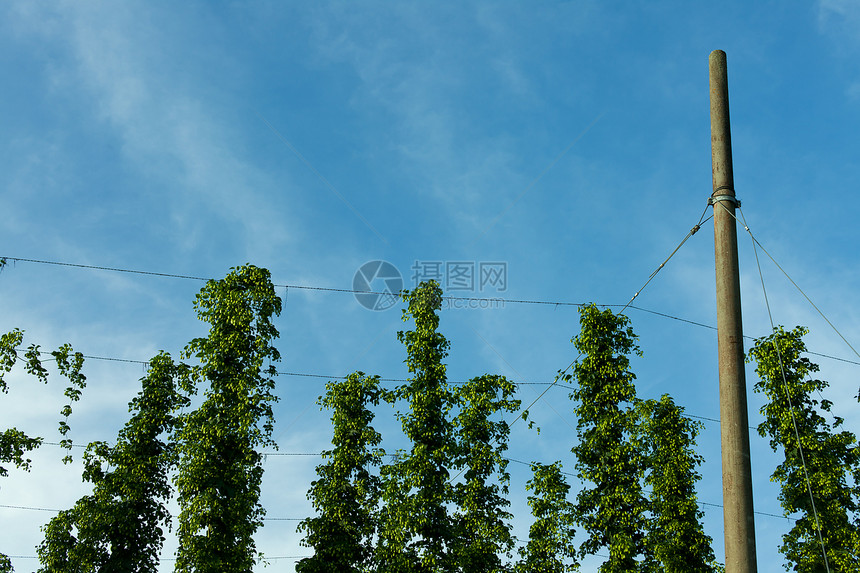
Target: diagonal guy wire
[(538, 178), (563, 419), (451, 480), (690, 233), (791, 280), (321, 178), (308, 407), (787, 394)]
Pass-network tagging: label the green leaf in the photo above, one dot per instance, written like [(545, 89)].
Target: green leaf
[(832, 458)]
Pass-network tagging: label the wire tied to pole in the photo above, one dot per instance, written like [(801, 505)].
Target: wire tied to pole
[(730, 198)]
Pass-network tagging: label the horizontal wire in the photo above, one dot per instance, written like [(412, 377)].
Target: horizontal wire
[(30, 508), (515, 301), (52, 510), (102, 268), (697, 501), (352, 291), (47, 509), (287, 286), (263, 558), (310, 374), (454, 382)]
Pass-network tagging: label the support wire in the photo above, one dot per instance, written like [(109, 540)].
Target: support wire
[(785, 380)]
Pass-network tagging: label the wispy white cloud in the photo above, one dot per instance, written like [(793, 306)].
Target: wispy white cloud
[(843, 13), (140, 83), (414, 76), (840, 21)]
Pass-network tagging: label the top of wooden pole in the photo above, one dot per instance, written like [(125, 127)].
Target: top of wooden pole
[(721, 134)]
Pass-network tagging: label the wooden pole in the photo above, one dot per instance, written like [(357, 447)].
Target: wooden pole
[(734, 425)]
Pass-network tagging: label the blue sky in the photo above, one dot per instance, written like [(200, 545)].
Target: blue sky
[(568, 140)]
